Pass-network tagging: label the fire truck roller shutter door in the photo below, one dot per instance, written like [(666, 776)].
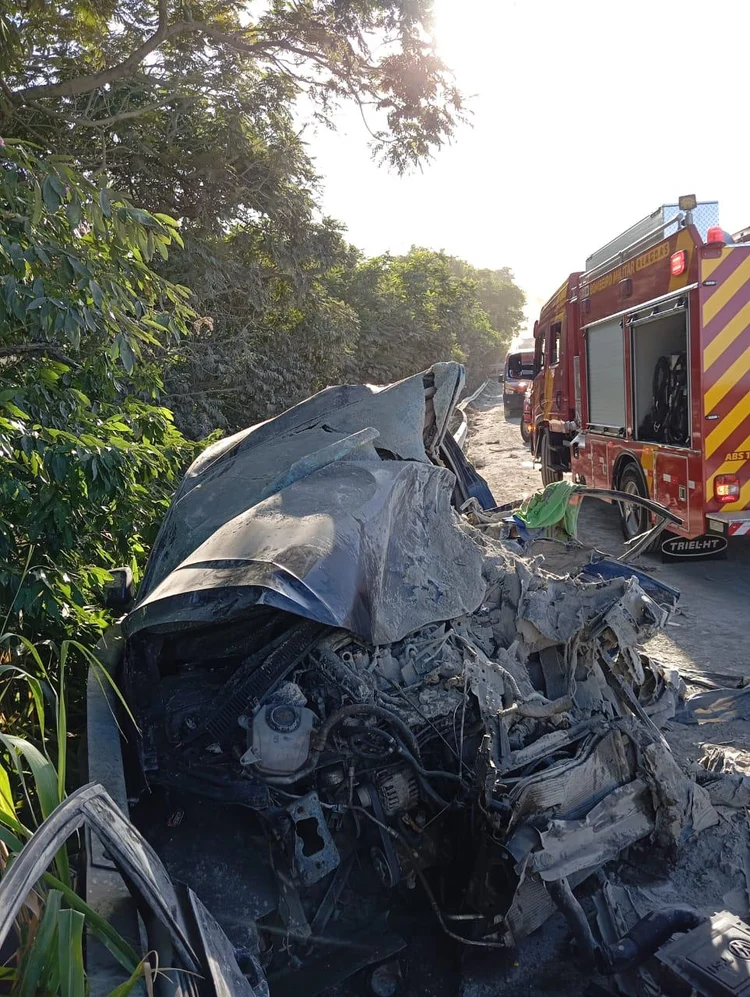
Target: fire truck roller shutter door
[(605, 360)]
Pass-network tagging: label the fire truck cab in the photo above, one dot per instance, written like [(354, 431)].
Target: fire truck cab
[(642, 372)]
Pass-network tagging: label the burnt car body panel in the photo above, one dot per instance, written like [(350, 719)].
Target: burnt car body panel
[(303, 514)]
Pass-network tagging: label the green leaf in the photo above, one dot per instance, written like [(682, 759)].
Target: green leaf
[(96, 293), (126, 354), (41, 955), (128, 986), (14, 410), (73, 211), (104, 203), (59, 187), (37, 694), (49, 194), (45, 784), (6, 796), (100, 927), (36, 213), (42, 770), (70, 953)]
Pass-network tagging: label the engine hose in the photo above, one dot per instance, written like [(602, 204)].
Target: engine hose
[(647, 935), (422, 778), (634, 948), (391, 744), (320, 739)]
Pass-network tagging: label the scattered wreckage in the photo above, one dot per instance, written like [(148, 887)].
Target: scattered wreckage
[(355, 709)]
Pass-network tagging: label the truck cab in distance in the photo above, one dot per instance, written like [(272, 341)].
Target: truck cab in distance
[(517, 376)]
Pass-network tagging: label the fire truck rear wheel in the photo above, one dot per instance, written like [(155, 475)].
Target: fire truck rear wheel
[(549, 473), (634, 519)]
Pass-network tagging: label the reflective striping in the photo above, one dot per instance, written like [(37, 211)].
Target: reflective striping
[(737, 324), (738, 529), (726, 291), (727, 426), (727, 380), (719, 268), (709, 264)]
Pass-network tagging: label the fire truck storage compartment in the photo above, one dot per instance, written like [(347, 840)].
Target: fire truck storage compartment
[(605, 363), (661, 382)]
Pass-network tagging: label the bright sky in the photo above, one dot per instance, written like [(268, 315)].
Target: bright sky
[(587, 115)]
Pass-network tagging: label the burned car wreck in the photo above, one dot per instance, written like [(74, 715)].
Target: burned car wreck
[(356, 713)]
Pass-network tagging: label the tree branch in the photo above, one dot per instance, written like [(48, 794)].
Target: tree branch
[(165, 31), (105, 122), (28, 349), (93, 81)]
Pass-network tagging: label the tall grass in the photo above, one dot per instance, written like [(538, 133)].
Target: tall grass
[(47, 960)]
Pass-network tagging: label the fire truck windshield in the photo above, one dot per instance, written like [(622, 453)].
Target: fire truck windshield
[(519, 365)]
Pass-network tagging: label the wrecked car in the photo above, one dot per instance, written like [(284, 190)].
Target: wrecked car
[(358, 717)]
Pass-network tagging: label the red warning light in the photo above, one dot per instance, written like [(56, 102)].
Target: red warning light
[(678, 263)]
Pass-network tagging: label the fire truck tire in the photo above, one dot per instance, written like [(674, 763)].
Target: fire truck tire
[(634, 520), (525, 431), (549, 473)]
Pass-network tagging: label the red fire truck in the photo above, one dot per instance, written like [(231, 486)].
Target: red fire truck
[(642, 372)]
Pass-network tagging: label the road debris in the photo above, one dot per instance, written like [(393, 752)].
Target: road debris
[(367, 707)]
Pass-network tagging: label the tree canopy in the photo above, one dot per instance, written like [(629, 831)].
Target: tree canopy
[(165, 269), (99, 75)]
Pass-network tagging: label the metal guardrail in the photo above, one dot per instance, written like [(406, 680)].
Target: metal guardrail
[(460, 435)]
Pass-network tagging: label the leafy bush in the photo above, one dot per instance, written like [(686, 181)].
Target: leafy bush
[(88, 457)]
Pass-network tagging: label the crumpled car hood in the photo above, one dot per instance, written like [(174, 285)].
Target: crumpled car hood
[(332, 511)]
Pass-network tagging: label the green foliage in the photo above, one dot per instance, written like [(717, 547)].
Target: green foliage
[(85, 485), (88, 460), (49, 931), (499, 296), (290, 316), (74, 266), (276, 332), (426, 306), (169, 66)]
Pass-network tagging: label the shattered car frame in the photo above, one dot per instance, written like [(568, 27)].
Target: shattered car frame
[(353, 707)]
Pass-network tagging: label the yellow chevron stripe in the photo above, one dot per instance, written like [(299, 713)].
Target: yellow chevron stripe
[(727, 380), (726, 337), (726, 291), (708, 265), (727, 425)]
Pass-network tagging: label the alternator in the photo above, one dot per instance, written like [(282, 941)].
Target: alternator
[(398, 790)]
